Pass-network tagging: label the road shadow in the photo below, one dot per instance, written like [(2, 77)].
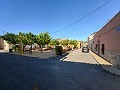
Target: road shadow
[(59, 59), (52, 74)]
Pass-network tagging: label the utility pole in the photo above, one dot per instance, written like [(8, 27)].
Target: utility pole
[(3, 33)]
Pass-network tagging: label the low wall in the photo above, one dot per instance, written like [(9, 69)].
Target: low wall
[(112, 57)]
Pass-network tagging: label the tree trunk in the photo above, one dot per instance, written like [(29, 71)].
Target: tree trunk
[(31, 49), (15, 48), (20, 48), (40, 47), (47, 46), (23, 48)]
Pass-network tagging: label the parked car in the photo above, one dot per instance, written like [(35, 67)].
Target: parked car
[(85, 49)]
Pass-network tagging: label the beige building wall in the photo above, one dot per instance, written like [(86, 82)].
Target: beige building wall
[(6, 46), (1, 43), (91, 42), (107, 41)]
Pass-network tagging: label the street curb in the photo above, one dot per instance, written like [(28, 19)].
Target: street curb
[(108, 71), (63, 55), (57, 56), (105, 69)]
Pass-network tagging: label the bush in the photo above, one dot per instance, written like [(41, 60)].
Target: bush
[(13, 47), (17, 47), (59, 50)]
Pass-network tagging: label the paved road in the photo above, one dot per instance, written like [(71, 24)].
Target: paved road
[(26, 73), (78, 56)]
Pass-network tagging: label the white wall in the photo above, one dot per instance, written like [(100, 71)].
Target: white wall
[(6, 46)]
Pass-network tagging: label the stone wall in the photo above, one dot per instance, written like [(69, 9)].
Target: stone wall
[(112, 57)]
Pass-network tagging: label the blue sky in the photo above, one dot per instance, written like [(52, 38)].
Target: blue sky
[(38, 16)]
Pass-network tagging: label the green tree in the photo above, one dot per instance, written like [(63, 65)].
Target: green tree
[(73, 42), (30, 40), (47, 38), (54, 42), (40, 40), (65, 42), (22, 41), (11, 38)]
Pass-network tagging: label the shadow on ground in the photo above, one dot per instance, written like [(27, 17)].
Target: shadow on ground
[(27, 73)]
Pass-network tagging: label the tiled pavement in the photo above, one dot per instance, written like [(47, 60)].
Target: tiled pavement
[(79, 56)]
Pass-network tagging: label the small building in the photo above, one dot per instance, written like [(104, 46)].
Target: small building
[(91, 42), (4, 45), (107, 41)]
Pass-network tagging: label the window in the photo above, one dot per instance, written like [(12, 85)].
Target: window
[(96, 47), (103, 49)]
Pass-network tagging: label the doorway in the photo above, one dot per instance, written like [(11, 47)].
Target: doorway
[(103, 49)]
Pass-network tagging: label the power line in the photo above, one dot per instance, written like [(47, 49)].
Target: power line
[(83, 17), (90, 30)]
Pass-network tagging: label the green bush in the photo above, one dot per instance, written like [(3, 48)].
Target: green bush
[(17, 47), (59, 50), (13, 47)]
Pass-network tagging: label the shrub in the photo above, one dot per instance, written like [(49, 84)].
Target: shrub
[(17, 47), (59, 50), (13, 47)]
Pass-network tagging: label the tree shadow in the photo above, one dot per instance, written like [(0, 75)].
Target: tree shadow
[(48, 74), (61, 59)]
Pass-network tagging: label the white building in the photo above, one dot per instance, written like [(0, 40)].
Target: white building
[(91, 42), (4, 45)]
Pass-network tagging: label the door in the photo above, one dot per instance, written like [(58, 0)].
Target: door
[(103, 49), (98, 42)]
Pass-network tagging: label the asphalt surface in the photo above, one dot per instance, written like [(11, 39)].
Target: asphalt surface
[(26, 73)]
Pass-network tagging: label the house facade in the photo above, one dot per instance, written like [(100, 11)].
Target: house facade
[(4, 45), (107, 41), (91, 42)]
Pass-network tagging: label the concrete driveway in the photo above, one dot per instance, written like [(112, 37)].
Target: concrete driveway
[(79, 56)]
